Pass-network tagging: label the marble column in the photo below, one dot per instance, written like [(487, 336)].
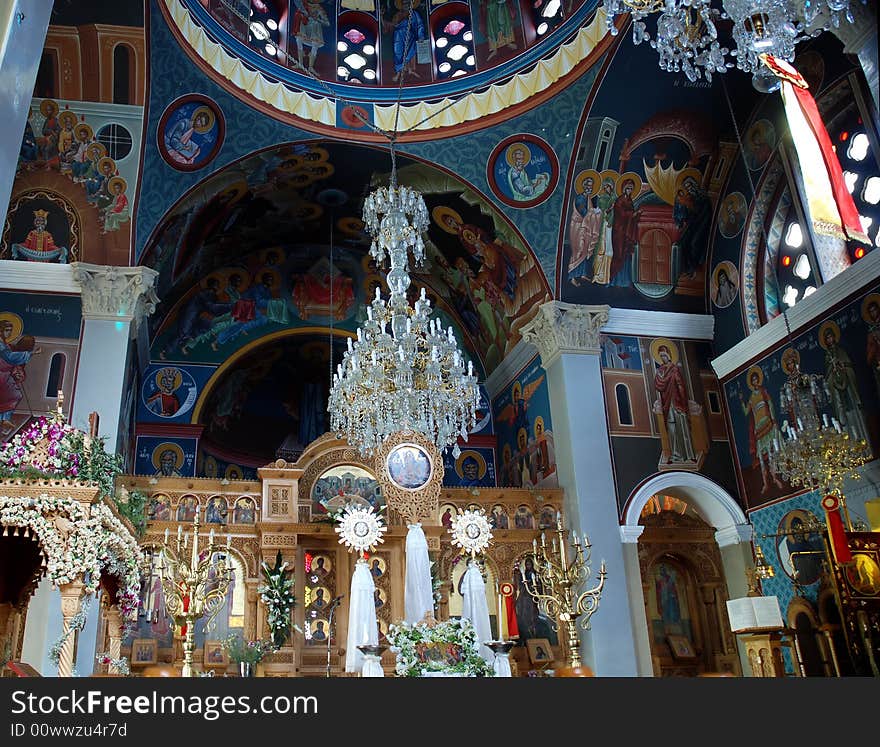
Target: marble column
[(567, 337), (71, 603), (115, 300), (738, 558)]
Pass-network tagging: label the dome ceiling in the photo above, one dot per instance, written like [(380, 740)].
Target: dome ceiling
[(344, 63)]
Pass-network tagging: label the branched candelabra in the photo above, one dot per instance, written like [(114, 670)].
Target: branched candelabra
[(193, 588), (559, 575)]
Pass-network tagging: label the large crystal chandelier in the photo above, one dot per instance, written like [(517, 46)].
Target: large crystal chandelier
[(817, 452), (686, 36), (404, 372)]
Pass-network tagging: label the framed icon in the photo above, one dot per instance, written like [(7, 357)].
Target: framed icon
[(215, 654), (680, 646), (540, 650), (409, 466), (144, 651)]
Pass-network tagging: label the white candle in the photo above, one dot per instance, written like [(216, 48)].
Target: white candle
[(179, 531), (228, 541), (211, 536), (500, 613), (166, 535), (535, 546)]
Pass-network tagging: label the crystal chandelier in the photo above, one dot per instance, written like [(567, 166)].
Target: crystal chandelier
[(404, 373), (686, 36), (817, 453)]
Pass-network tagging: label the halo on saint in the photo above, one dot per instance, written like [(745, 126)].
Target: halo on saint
[(660, 343), (360, 528), (581, 179), (829, 326), (755, 371), (471, 531)]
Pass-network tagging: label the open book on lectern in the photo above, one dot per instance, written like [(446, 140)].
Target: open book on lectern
[(754, 613)]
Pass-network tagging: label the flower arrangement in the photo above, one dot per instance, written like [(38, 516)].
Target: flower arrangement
[(251, 652), (119, 665), (277, 594), (454, 640)]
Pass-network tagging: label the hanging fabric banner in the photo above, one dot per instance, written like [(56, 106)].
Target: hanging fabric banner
[(418, 596), (476, 609), (362, 626), (831, 207)]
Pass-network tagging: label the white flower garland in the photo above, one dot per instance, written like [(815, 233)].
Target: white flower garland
[(405, 637), (90, 540)]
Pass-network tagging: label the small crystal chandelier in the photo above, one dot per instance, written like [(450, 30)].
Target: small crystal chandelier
[(687, 36), (817, 453), (404, 373)]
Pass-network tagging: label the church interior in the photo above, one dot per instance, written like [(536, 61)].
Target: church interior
[(618, 427)]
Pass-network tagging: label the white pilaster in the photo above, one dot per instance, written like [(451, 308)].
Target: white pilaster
[(567, 336), (115, 300)]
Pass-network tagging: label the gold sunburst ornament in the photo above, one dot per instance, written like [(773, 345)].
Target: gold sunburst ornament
[(360, 528), (471, 531)]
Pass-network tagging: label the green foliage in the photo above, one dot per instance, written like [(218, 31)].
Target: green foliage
[(240, 650), (277, 594), (407, 640), (133, 506)]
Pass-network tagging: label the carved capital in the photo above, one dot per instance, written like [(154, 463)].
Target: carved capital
[(71, 599), (116, 293), (565, 328)]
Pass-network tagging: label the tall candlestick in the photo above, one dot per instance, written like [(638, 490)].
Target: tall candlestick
[(500, 613)]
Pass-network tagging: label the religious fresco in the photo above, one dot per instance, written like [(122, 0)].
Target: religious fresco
[(664, 410), (39, 345), (191, 132), (212, 464), (525, 431), (843, 347), (480, 277), (667, 603), (301, 36), (68, 193), (165, 456), (724, 286), (474, 467), (342, 485), (522, 170), (41, 226), (272, 402), (642, 192), (169, 392)]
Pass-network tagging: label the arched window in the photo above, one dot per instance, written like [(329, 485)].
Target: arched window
[(453, 41), (357, 49), (56, 375), (546, 15), (264, 29), (624, 407), (123, 74), (46, 84)]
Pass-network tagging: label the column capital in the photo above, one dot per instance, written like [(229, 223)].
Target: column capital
[(560, 327), (629, 535), (120, 294), (735, 534)]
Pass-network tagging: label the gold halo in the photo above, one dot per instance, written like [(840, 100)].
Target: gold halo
[(668, 344), (728, 267), (629, 176), (869, 299), (511, 149), (117, 180), (96, 148), (210, 466), (236, 191), (755, 370), (517, 387), (538, 420), (276, 277), (582, 177), (233, 472), (178, 376), (218, 275), (209, 113), (525, 433), (228, 272), (103, 162), (606, 175), (16, 322), (48, 105), (441, 212), (83, 127), (67, 116), (688, 173), (507, 452), (790, 354), (832, 325), (168, 446), (481, 462)]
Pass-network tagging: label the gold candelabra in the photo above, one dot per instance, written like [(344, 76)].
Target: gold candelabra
[(193, 587), (559, 574)]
